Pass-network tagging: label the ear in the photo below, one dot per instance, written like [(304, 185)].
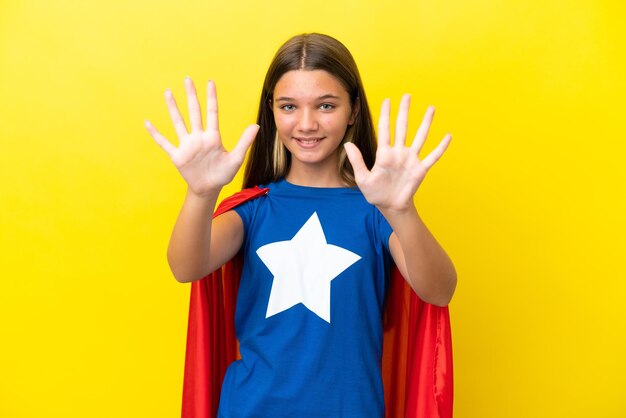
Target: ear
[(355, 111)]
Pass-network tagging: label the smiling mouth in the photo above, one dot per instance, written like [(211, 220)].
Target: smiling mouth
[(308, 141)]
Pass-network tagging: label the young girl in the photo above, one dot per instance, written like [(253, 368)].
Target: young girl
[(318, 246)]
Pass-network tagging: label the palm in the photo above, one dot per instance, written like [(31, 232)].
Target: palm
[(398, 171), (200, 157), (203, 162)]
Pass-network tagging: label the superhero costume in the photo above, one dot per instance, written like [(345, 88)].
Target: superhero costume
[(417, 352)]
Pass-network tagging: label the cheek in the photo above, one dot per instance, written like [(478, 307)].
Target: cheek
[(283, 124), (338, 125)]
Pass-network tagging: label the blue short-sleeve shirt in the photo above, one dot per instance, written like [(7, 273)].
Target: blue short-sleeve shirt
[(309, 308)]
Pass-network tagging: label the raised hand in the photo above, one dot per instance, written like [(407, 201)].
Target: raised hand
[(397, 172), (200, 156)]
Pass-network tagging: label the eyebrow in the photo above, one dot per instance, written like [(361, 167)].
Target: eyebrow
[(291, 99)]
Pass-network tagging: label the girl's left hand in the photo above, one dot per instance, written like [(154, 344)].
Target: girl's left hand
[(398, 171)]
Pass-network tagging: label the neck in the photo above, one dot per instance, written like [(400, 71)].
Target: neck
[(312, 176)]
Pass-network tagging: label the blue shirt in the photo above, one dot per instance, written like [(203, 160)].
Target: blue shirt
[(309, 308)]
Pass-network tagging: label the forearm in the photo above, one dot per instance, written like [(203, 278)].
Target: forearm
[(428, 269), (190, 242)]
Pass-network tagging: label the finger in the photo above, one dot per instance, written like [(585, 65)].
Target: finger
[(177, 119), (195, 114), (436, 154), (422, 132), (356, 159), (245, 141), (160, 139), (212, 122), (383, 124), (402, 121)]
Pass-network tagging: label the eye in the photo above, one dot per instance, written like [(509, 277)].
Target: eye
[(288, 107), (327, 106)]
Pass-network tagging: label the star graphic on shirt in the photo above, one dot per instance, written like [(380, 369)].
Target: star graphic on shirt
[(303, 268)]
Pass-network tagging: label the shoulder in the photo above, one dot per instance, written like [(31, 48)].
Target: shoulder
[(240, 198)]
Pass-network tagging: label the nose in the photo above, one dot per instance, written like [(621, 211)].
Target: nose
[(307, 121)]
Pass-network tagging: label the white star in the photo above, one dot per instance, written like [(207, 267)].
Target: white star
[(303, 269)]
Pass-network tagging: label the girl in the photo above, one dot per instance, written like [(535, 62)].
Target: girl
[(318, 246)]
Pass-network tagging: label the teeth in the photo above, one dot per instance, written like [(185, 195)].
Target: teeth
[(310, 141)]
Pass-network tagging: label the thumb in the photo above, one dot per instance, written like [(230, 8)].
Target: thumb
[(356, 159), (245, 141)]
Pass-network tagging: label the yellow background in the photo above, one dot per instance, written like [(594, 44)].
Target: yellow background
[(528, 201)]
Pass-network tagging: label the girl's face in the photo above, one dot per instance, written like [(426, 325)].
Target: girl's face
[(312, 112)]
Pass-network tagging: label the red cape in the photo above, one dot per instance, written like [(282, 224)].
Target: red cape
[(417, 347)]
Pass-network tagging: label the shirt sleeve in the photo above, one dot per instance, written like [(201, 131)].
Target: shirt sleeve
[(244, 212), (384, 230)]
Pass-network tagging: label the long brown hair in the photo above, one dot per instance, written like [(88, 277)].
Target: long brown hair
[(269, 160)]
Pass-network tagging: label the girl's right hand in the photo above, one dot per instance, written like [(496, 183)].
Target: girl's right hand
[(200, 157)]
